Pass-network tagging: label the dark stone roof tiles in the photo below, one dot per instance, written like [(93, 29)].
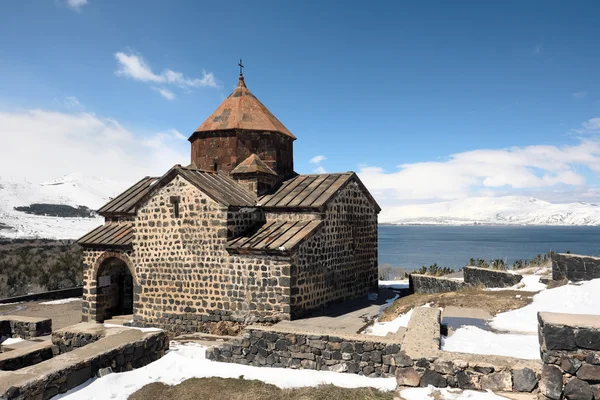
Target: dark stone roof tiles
[(125, 202), (277, 236), (110, 234)]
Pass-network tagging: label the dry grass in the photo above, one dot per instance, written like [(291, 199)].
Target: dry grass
[(493, 302), (241, 389)]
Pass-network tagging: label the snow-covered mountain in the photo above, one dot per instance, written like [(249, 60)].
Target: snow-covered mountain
[(77, 190), (73, 190), (508, 210)]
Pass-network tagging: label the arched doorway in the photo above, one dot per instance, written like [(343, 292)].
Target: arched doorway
[(114, 294)]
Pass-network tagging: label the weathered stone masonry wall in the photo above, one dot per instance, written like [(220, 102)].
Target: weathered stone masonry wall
[(575, 267), (16, 326), (340, 261), (487, 277), (570, 349), (311, 351), (61, 373), (93, 259), (433, 284), (185, 274)]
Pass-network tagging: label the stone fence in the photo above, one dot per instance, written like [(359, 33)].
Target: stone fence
[(272, 347), (489, 278), (473, 276), (415, 359), (570, 349), (123, 350), (575, 267), (419, 283), (17, 326)]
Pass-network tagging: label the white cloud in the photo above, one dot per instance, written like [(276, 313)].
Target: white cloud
[(486, 172), (590, 126), (76, 5), (72, 102), (135, 67), (60, 143), (579, 95), (537, 50), (320, 170), (317, 159), (166, 93)]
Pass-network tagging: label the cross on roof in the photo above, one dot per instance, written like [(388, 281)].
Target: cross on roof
[(241, 67)]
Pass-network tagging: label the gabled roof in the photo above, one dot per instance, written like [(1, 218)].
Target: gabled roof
[(218, 186), (274, 237), (124, 204), (242, 110), (310, 191), (110, 234), (253, 165)]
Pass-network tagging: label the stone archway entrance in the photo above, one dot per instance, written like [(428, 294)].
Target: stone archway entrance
[(114, 293)]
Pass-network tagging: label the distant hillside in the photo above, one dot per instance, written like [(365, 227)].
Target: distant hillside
[(508, 210), (32, 266), (59, 209)]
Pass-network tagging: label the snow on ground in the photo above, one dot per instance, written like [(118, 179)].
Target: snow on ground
[(11, 341), (185, 361), (399, 284), (470, 339), (61, 301), (573, 298), (447, 394)]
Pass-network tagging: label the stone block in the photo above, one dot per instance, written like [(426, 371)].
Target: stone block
[(497, 381), (576, 389), (589, 372), (593, 358), (432, 378), (524, 380), (587, 339), (570, 365), (558, 337), (407, 377), (468, 380), (402, 360), (551, 382)]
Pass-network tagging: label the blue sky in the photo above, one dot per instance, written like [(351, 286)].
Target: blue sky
[(428, 100)]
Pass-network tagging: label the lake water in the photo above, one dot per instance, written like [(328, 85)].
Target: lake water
[(452, 246)]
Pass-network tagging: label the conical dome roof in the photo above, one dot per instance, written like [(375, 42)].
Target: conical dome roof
[(242, 110)]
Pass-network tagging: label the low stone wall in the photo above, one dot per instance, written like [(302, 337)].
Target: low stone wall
[(570, 349), (575, 267), (489, 278), (123, 351), (24, 357), (24, 327), (432, 284), (67, 340), (273, 347), (425, 364)]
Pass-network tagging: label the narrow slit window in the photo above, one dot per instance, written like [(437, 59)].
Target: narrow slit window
[(215, 166), (175, 202)]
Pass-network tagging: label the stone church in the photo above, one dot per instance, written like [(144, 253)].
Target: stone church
[(236, 235)]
